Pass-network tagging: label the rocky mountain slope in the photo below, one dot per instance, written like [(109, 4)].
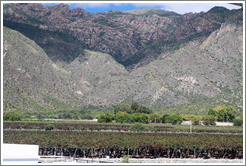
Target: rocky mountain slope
[(130, 37), (70, 58)]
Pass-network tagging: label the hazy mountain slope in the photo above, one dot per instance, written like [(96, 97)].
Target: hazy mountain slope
[(31, 80)]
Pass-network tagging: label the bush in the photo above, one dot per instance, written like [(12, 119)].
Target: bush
[(12, 115), (106, 118), (49, 127), (174, 119), (164, 118), (137, 108), (238, 122), (195, 119), (123, 117), (209, 120), (137, 127), (154, 118), (140, 117)]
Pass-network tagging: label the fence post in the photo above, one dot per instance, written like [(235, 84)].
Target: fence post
[(190, 126)]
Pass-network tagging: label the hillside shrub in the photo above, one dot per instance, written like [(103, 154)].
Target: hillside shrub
[(12, 115)]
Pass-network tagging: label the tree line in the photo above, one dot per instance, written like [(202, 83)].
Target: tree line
[(136, 113)]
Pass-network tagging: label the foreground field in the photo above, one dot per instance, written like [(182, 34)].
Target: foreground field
[(136, 145), (82, 125)]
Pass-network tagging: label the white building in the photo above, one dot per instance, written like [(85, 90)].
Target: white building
[(19, 154)]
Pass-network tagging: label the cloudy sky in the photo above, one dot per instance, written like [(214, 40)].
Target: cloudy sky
[(180, 8)]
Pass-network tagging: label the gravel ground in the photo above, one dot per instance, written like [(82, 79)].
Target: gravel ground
[(132, 160)]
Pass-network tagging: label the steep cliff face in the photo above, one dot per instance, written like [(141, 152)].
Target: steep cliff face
[(70, 58), (132, 38)]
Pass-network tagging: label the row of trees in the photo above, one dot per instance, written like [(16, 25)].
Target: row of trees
[(124, 117), (133, 108), (136, 113)]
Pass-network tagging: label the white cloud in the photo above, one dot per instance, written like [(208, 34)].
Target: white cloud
[(182, 8), (89, 5)]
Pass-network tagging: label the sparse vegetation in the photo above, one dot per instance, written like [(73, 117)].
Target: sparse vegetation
[(137, 127)]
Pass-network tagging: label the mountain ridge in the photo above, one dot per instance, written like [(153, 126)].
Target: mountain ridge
[(133, 40), (193, 77)]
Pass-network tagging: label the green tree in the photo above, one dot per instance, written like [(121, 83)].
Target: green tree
[(212, 112), (225, 113), (140, 117), (230, 111), (208, 120), (134, 106), (154, 118), (164, 118), (122, 108), (106, 117), (174, 119), (123, 117), (143, 109), (195, 119), (12, 115)]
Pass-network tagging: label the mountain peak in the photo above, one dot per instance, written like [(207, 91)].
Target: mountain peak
[(60, 8), (218, 9), (79, 12)]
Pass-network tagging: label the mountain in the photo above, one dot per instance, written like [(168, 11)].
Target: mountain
[(131, 38), (57, 58)]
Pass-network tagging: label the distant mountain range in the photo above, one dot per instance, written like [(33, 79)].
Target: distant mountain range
[(57, 58)]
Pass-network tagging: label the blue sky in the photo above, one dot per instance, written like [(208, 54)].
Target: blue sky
[(180, 8)]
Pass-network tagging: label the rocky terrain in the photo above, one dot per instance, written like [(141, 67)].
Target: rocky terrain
[(58, 58)]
